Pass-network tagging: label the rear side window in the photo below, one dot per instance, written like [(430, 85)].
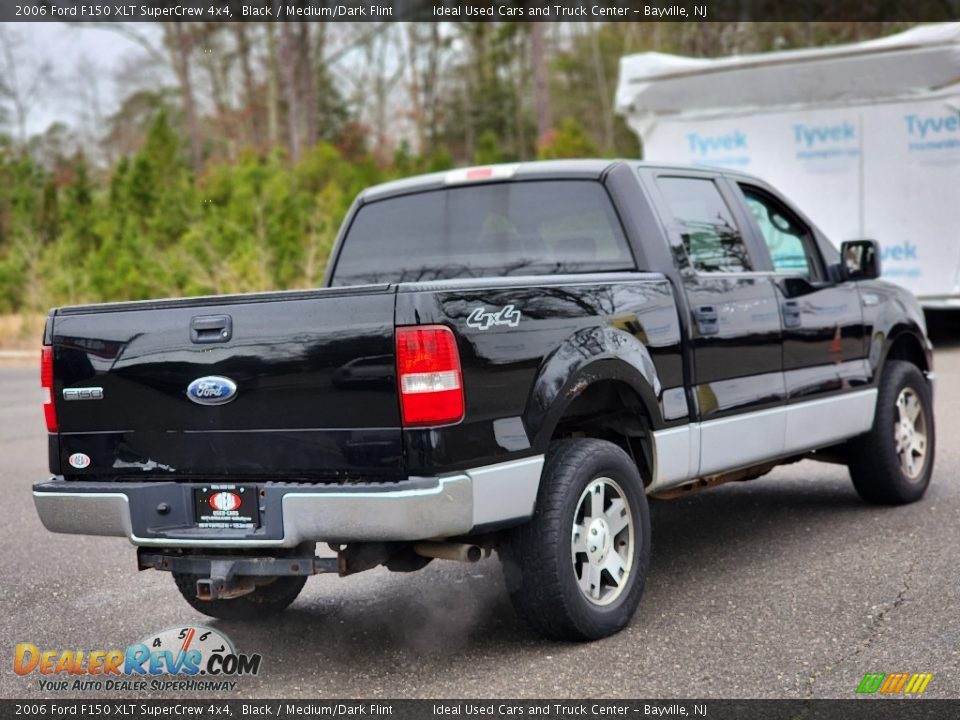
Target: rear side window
[(711, 238), (515, 228)]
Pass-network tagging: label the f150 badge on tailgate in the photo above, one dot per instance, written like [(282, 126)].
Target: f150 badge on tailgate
[(212, 390), (83, 393), (482, 320)]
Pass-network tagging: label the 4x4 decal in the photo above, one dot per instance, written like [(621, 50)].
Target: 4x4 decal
[(482, 320)]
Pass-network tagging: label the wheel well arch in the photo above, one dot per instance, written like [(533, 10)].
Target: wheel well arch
[(907, 347), (611, 409)]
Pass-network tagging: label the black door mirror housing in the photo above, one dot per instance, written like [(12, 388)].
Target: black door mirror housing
[(860, 259)]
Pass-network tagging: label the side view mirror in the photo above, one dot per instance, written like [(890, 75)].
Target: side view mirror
[(860, 259)]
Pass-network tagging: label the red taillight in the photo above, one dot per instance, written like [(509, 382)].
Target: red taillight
[(46, 382), (428, 375)]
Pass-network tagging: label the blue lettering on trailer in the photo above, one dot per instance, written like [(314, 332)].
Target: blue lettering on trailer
[(823, 142), (900, 260), (933, 132), (930, 124), (722, 150), (810, 135)]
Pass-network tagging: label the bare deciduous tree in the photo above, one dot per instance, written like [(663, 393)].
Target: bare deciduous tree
[(181, 40), (21, 82), (291, 96), (541, 80)]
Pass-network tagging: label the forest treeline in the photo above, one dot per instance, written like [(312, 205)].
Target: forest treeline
[(234, 175)]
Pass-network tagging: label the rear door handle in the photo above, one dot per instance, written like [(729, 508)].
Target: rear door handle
[(708, 320), (791, 313), (211, 328)]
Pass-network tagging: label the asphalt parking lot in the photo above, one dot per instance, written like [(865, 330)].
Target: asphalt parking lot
[(788, 586)]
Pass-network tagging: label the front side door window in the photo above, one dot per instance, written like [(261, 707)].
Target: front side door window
[(789, 241)]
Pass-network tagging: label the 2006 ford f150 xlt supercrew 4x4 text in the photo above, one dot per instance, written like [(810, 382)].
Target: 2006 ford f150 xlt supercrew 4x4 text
[(505, 358)]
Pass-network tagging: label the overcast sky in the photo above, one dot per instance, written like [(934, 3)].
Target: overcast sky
[(90, 60), (64, 46)]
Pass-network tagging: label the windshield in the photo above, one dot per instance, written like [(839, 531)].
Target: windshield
[(515, 228)]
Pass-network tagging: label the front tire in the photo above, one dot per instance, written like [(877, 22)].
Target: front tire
[(893, 462), (576, 570), (266, 600)]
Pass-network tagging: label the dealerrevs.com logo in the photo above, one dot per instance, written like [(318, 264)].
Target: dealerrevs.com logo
[(894, 683), (177, 659)]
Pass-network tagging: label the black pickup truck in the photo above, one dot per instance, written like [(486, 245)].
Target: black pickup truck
[(505, 358)]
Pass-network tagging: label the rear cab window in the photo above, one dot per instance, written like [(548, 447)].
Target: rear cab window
[(499, 229)]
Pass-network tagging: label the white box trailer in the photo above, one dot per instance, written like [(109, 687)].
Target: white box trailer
[(864, 138)]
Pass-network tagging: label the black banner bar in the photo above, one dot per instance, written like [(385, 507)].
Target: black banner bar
[(473, 10), (858, 709)]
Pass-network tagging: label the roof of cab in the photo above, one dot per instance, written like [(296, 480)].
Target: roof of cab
[(587, 169)]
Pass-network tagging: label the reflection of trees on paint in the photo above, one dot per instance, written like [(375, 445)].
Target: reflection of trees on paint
[(541, 302), (715, 247)]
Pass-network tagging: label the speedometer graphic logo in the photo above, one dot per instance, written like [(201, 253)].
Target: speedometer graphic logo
[(192, 650), (196, 642)]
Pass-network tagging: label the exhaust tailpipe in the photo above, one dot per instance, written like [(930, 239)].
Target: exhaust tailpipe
[(462, 552)]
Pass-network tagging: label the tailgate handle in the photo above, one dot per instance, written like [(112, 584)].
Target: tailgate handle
[(211, 328)]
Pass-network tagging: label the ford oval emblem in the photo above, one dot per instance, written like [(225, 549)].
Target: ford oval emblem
[(212, 390)]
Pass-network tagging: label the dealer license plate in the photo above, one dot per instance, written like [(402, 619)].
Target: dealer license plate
[(226, 507)]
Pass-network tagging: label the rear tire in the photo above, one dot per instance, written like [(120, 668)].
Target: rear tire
[(590, 524), (266, 600), (893, 462)]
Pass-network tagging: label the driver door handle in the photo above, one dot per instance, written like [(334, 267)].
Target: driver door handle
[(708, 320), (791, 313)]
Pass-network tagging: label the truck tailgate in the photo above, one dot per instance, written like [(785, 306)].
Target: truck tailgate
[(314, 374)]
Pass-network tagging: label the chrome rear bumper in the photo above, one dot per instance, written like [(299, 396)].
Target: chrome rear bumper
[(415, 509)]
